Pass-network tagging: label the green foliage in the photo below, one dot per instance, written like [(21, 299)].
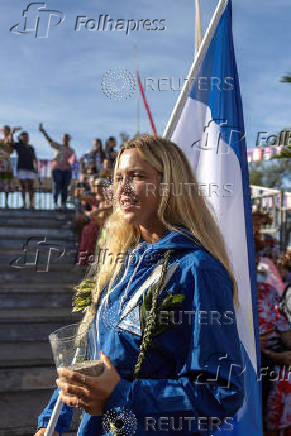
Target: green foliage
[(274, 173), (286, 79), (168, 304), (83, 298), (285, 153), (150, 301), (150, 310)]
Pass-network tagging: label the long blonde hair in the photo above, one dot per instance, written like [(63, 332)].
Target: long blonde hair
[(188, 209)]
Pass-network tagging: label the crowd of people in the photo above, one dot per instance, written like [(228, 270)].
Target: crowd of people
[(98, 163), (92, 205), (93, 196)]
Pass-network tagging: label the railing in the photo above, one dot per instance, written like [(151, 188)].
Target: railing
[(43, 187)]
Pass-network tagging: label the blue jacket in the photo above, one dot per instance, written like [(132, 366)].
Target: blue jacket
[(189, 382)]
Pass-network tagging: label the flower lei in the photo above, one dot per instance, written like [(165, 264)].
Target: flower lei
[(149, 311)]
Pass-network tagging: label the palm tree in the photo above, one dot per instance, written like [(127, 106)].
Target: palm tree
[(286, 79), (285, 153)]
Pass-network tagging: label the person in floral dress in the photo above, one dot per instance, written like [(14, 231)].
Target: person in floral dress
[(274, 332)]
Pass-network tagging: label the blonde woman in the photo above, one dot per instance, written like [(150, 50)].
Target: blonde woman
[(163, 309)]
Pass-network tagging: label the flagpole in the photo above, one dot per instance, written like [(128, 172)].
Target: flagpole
[(137, 96), (198, 28), (194, 69)]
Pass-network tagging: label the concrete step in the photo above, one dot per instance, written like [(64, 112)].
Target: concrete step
[(30, 330), (41, 214), (27, 379), (19, 257), (35, 300), (23, 354), (20, 410), (27, 431), (15, 287), (35, 223), (34, 287), (45, 299), (28, 232), (37, 314), (20, 243), (64, 264), (69, 274)]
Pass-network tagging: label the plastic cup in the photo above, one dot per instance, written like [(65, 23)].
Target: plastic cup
[(73, 349)]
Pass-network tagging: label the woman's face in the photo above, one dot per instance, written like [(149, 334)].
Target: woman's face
[(25, 139), (6, 131), (66, 140), (137, 191)]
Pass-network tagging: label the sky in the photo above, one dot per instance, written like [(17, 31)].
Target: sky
[(58, 80)]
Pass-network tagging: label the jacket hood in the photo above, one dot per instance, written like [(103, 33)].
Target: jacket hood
[(180, 239)]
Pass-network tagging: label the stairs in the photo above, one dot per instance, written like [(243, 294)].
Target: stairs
[(37, 272)]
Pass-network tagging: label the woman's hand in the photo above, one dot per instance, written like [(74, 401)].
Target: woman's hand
[(41, 432), (88, 393)]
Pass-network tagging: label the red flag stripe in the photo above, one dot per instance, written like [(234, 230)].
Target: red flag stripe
[(147, 108)]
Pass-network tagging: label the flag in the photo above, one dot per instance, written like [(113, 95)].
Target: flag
[(207, 123)]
